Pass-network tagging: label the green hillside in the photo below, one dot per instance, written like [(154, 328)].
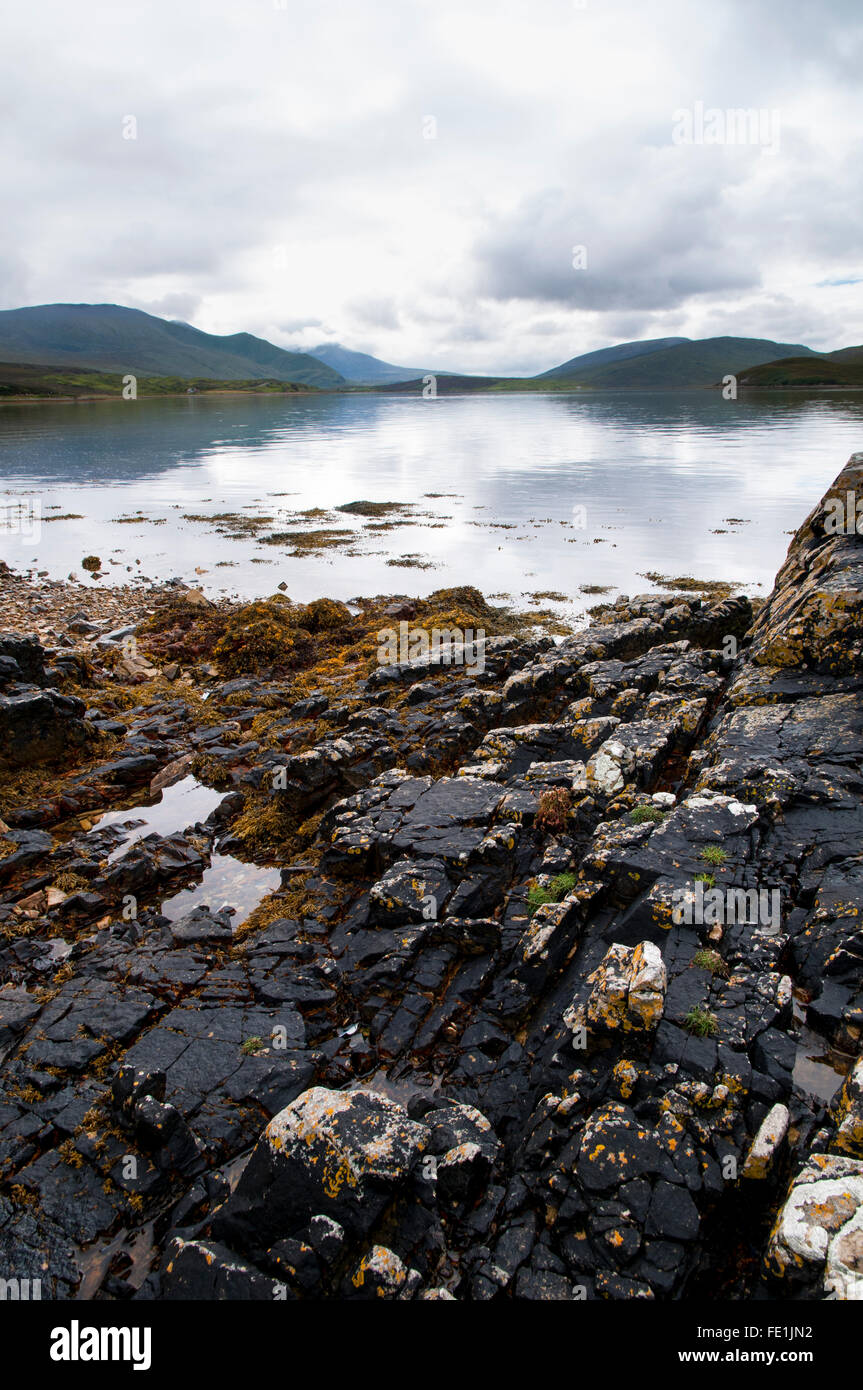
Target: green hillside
[(691, 364), (621, 352), (849, 354), (112, 338), (446, 385), (29, 380), (791, 372)]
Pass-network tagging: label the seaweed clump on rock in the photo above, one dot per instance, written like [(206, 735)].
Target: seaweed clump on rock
[(261, 636)]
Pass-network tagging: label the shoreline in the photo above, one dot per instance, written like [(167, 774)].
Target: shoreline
[(357, 389), (439, 909)]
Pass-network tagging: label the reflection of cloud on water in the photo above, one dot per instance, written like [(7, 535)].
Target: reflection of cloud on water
[(655, 474)]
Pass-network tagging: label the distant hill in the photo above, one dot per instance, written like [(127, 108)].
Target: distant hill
[(791, 372), (623, 352), (447, 384), (25, 379), (849, 354), (112, 338), (360, 368), (699, 362)]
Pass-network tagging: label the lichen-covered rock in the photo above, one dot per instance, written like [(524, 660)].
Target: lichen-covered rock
[(411, 891), (381, 1274), (814, 618), (204, 1269), (849, 1115), (818, 1236), (765, 1145), (342, 1154), (628, 992)]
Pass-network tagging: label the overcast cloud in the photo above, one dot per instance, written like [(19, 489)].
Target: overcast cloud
[(282, 180)]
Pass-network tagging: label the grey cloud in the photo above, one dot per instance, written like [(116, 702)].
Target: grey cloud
[(257, 133)]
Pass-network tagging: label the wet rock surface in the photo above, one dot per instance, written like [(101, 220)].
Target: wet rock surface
[(524, 1018)]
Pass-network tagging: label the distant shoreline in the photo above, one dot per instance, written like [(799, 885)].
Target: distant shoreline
[(158, 396), (97, 398)]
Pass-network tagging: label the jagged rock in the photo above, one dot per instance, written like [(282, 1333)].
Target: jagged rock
[(30, 847), (22, 659), (171, 773), (17, 1008), (818, 1235), (553, 933), (380, 1274), (343, 1154), (849, 1114), (41, 727), (161, 1129), (411, 891), (203, 1269), (770, 1136), (628, 992)]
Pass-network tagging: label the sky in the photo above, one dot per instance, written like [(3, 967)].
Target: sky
[(474, 185)]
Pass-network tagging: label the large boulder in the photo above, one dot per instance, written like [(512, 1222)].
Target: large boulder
[(41, 726), (341, 1154), (814, 617), (22, 660), (817, 1240), (628, 992)]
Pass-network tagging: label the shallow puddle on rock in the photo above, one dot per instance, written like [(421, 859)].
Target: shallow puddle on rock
[(401, 1090), (227, 882), (183, 804), (139, 1246), (818, 1070), (234, 1169)]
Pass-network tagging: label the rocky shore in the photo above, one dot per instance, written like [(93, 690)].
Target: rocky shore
[(540, 981)]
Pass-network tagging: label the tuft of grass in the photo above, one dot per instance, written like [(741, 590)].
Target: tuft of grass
[(709, 880), (252, 1046), (640, 815), (556, 891), (713, 854), (701, 1022), (538, 897), (562, 884), (712, 961)]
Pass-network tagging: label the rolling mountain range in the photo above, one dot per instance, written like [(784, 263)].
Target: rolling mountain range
[(690, 363), (111, 338), (361, 369), (115, 339), (623, 352)]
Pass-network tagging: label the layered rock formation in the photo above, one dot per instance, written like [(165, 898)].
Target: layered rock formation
[(540, 1023)]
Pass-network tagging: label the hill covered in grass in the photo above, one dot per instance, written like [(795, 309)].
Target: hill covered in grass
[(25, 380), (791, 373), (589, 362), (111, 338), (699, 362)]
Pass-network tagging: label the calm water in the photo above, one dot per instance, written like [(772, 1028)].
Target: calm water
[(544, 492)]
